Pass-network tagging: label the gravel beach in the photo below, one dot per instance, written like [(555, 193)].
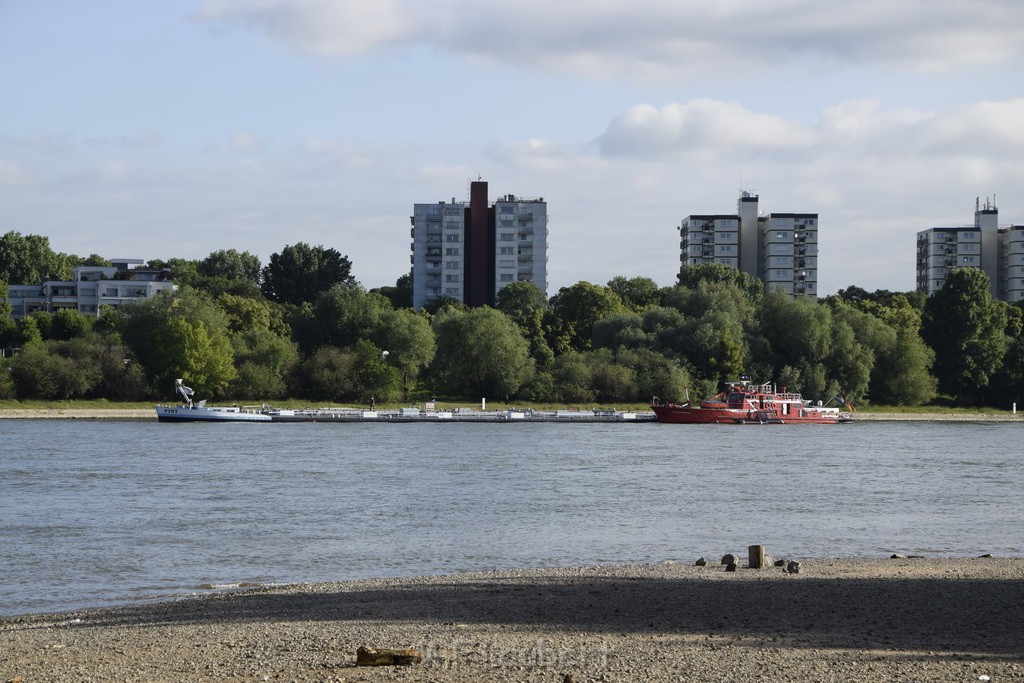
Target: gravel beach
[(840, 620)]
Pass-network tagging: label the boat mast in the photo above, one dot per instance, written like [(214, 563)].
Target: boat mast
[(186, 392)]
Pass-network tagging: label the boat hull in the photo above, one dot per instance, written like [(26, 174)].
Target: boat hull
[(687, 414), (204, 414)]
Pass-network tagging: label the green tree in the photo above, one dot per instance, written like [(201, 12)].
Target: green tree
[(400, 295), (29, 260), (42, 371), (8, 328), (691, 276), (580, 306), (68, 323), (611, 382), (900, 374), (231, 265), (184, 335), (264, 361), (966, 329), (244, 313), (573, 375), (341, 316), (849, 362), (621, 330), (1008, 383), (637, 293), (410, 344), (329, 374), (96, 260), (480, 352), (375, 378), (655, 375), (300, 272), (716, 319), (525, 304)]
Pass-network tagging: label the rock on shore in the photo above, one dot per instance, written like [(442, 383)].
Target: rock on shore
[(848, 620)]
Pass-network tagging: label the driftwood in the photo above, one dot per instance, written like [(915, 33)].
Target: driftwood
[(370, 656)]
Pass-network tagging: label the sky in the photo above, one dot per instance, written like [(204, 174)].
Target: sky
[(177, 128)]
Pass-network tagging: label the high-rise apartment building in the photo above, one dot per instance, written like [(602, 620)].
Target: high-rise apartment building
[(998, 251), (781, 249), (470, 250)]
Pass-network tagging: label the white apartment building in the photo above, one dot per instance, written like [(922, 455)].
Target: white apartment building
[(781, 249), (998, 251), (1011, 258), (90, 288), (470, 251)]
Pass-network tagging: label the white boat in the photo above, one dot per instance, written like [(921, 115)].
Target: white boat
[(200, 412)]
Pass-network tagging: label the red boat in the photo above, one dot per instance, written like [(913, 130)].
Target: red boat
[(745, 403)]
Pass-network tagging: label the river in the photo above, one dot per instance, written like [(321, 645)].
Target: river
[(95, 513)]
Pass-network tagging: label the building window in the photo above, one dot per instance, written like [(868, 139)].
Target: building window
[(506, 277), (452, 291), (507, 264), (506, 208), (453, 238), (451, 278), (504, 251), (507, 237), (781, 235), (451, 251), (780, 261), (451, 265), (726, 248)]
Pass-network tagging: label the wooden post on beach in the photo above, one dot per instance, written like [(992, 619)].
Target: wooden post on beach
[(755, 556)]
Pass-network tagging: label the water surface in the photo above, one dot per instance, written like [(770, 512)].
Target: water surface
[(105, 512)]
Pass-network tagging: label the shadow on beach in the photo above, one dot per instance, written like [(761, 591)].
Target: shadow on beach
[(926, 614)]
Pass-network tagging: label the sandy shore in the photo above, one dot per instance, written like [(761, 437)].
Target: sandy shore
[(150, 414), (849, 620)]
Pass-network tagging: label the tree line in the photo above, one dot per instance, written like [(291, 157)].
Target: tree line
[(301, 327)]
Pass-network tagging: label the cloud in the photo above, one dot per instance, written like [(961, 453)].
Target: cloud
[(702, 128), (647, 39), (244, 141), (319, 27), (12, 174), (543, 155), (708, 130)]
